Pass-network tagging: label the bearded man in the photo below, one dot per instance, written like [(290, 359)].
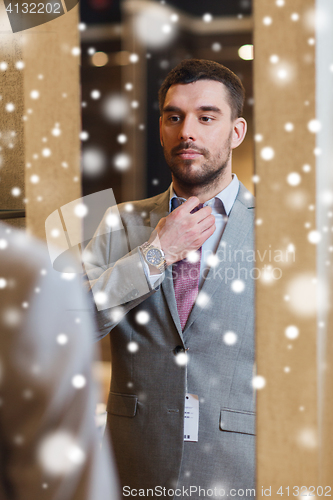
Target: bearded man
[(180, 304)]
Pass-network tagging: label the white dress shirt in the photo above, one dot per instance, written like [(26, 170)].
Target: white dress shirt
[(227, 196)]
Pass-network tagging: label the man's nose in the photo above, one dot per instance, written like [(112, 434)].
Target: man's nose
[(187, 130)]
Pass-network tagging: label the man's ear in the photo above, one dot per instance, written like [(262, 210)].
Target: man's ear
[(161, 138), (238, 132)]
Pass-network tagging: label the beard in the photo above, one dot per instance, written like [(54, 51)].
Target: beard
[(210, 171)]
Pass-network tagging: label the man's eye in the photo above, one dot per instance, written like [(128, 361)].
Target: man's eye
[(174, 118), (206, 119)]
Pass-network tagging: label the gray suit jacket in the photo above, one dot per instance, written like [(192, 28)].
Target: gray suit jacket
[(146, 403)]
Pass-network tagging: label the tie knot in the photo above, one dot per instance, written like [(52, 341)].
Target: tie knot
[(176, 202)]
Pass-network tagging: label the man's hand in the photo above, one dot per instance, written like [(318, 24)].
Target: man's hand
[(182, 232)]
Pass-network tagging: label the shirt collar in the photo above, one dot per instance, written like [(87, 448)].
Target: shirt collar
[(227, 195)]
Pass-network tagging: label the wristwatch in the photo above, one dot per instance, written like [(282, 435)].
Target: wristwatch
[(154, 256)]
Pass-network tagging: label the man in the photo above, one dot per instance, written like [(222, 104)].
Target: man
[(181, 407), (49, 444)]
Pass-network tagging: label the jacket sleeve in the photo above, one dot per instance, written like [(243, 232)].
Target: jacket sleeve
[(114, 274)]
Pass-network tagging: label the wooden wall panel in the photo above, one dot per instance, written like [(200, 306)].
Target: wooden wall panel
[(284, 82), (52, 69), (40, 145), (11, 124)]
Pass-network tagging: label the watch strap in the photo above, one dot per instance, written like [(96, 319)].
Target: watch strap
[(145, 249)]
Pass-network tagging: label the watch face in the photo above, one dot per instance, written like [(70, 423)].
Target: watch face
[(154, 257)]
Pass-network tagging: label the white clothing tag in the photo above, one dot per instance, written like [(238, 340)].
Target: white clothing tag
[(191, 417)]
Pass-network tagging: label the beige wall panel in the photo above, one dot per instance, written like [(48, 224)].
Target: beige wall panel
[(285, 93), (52, 70)]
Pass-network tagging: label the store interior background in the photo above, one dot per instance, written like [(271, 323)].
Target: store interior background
[(127, 49)]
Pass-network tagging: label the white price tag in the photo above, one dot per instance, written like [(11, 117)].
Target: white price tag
[(191, 417)]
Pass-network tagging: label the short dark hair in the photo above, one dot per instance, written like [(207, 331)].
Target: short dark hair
[(192, 70)]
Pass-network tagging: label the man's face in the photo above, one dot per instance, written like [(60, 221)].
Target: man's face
[(197, 133)]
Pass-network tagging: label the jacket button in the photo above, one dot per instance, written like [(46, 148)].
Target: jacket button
[(178, 349)]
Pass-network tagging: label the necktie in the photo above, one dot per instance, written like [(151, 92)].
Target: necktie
[(186, 274)]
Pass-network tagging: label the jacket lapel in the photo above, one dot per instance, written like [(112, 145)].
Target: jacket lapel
[(240, 223), (160, 210)]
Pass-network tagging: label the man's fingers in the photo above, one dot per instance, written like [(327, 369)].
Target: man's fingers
[(207, 233), (189, 204), (206, 222), (200, 215)]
